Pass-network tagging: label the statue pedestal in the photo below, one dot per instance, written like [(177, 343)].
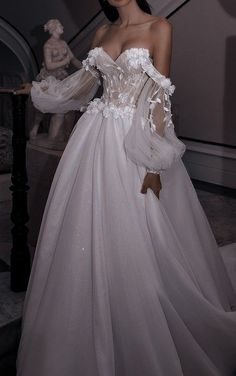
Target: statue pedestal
[(44, 142), (41, 166)]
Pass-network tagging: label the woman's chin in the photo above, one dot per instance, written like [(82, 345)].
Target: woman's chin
[(119, 3)]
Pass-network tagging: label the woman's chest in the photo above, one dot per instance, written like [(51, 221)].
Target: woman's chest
[(115, 42)]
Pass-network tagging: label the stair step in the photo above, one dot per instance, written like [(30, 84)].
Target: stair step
[(11, 305)]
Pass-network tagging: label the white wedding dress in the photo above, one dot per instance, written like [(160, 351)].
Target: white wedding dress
[(124, 284)]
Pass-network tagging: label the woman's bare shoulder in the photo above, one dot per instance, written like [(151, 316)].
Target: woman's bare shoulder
[(161, 25), (99, 34), (103, 28)]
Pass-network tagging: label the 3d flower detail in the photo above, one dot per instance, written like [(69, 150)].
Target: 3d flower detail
[(109, 109), (136, 56)]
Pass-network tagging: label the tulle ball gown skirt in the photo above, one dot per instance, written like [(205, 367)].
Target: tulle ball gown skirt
[(124, 284)]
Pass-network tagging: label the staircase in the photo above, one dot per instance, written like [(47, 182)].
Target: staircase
[(11, 303)]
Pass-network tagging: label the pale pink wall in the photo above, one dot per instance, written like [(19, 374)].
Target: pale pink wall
[(204, 70)]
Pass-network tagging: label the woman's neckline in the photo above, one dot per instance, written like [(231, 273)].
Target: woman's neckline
[(150, 21), (152, 71), (123, 52)]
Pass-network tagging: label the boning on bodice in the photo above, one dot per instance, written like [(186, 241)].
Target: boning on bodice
[(133, 90)]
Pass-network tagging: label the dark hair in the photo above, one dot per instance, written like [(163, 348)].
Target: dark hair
[(112, 13)]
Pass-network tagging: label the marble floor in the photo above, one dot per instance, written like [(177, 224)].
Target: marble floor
[(221, 213), (220, 208)]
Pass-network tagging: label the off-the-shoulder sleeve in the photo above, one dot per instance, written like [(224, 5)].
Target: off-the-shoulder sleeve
[(151, 141), (72, 93)]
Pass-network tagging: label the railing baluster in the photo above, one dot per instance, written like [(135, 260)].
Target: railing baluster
[(20, 255)]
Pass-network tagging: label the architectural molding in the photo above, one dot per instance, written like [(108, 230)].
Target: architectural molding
[(211, 163), (20, 48), (167, 7)]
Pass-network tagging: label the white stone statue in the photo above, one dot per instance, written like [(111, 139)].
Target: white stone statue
[(57, 57)]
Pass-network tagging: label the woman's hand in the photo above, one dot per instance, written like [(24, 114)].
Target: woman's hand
[(152, 181), (24, 88)]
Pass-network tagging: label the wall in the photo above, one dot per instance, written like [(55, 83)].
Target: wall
[(204, 70), (8, 62), (81, 43), (29, 16)]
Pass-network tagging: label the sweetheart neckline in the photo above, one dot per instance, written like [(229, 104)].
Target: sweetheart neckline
[(123, 52), (135, 48)]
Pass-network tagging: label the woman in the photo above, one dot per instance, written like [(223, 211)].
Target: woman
[(127, 279)]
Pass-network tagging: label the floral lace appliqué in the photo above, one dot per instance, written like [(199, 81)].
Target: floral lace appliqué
[(136, 56), (89, 64), (109, 109), (90, 61), (140, 57), (159, 78)]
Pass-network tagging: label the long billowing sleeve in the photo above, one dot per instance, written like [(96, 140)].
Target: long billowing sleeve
[(151, 141), (72, 93)]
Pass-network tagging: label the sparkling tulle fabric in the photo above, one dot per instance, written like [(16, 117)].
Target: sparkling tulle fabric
[(124, 284)]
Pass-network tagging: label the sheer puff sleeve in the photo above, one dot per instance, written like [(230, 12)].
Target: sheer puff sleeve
[(151, 140), (72, 93)]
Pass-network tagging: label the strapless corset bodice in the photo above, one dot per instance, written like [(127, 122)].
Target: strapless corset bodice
[(123, 79), (134, 92)]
